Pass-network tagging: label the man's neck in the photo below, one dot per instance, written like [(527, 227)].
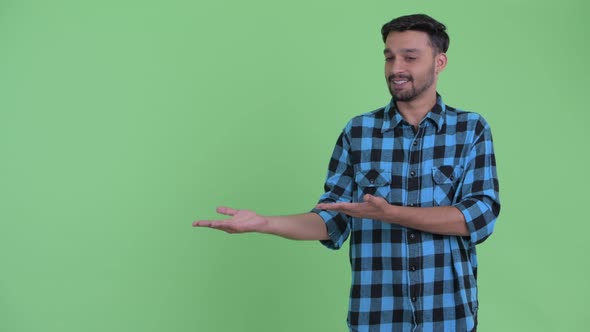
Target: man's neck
[(414, 111)]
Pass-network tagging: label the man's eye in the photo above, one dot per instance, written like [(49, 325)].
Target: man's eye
[(409, 58), (389, 59)]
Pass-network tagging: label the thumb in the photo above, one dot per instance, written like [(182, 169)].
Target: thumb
[(226, 210), (368, 198), (375, 201)]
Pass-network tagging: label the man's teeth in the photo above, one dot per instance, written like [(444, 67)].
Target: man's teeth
[(399, 82)]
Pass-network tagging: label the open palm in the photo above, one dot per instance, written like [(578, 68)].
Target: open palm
[(241, 221)]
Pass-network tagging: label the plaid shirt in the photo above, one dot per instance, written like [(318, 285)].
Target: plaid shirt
[(404, 279)]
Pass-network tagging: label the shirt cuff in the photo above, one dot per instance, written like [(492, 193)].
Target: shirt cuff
[(336, 226), (479, 219)]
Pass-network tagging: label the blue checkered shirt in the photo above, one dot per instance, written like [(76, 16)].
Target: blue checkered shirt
[(404, 279)]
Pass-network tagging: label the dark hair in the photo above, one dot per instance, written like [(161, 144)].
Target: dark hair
[(439, 39)]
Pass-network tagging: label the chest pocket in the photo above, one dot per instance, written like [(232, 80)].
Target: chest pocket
[(445, 182), (375, 182)]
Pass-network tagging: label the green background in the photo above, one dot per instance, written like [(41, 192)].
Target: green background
[(123, 121)]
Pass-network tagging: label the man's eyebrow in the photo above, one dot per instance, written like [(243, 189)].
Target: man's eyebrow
[(404, 50)]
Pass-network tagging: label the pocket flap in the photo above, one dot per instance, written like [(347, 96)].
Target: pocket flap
[(373, 178), (446, 174)]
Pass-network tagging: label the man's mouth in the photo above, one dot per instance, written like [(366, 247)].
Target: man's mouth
[(399, 82)]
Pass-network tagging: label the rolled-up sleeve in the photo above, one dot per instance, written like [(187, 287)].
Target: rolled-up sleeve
[(480, 201), (338, 188)]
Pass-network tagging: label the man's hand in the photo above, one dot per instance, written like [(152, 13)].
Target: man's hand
[(373, 207), (241, 221)]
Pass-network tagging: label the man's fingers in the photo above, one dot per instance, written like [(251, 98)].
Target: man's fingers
[(335, 206), (199, 223), (216, 223), (328, 206), (325, 206), (222, 225), (204, 223)]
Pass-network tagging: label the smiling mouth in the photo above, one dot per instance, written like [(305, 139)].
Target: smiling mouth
[(399, 84), (399, 81)]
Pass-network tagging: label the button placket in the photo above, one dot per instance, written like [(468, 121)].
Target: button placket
[(412, 237), (414, 263)]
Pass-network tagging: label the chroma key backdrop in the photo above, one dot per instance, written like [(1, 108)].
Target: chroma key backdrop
[(123, 121)]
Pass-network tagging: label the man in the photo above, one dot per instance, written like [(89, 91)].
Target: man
[(414, 186)]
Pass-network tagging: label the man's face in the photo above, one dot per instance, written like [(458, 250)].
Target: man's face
[(411, 65)]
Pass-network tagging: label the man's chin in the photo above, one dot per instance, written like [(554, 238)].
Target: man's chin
[(401, 96)]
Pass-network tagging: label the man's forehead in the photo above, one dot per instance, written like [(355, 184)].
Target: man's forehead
[(407, 42)]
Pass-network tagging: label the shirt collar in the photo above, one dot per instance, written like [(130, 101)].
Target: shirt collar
[(393, 117)]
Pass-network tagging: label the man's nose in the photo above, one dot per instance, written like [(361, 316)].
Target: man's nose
[(395, 68)]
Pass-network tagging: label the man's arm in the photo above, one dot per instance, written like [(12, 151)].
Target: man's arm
[(446, 220), (306, 226)]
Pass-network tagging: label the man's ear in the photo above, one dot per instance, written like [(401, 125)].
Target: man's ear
[(440, 62)]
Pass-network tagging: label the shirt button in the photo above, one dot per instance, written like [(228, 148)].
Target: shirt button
[(413, 268), (413, 299), (415, 143), (413, 204), (412, 236), (413, 173)]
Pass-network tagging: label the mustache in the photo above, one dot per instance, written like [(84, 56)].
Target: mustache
[(392, 78)]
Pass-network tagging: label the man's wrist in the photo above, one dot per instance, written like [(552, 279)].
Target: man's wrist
[(270, 227), (392, 213)]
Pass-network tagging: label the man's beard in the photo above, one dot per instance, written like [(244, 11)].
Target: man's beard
[(413, 91)]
